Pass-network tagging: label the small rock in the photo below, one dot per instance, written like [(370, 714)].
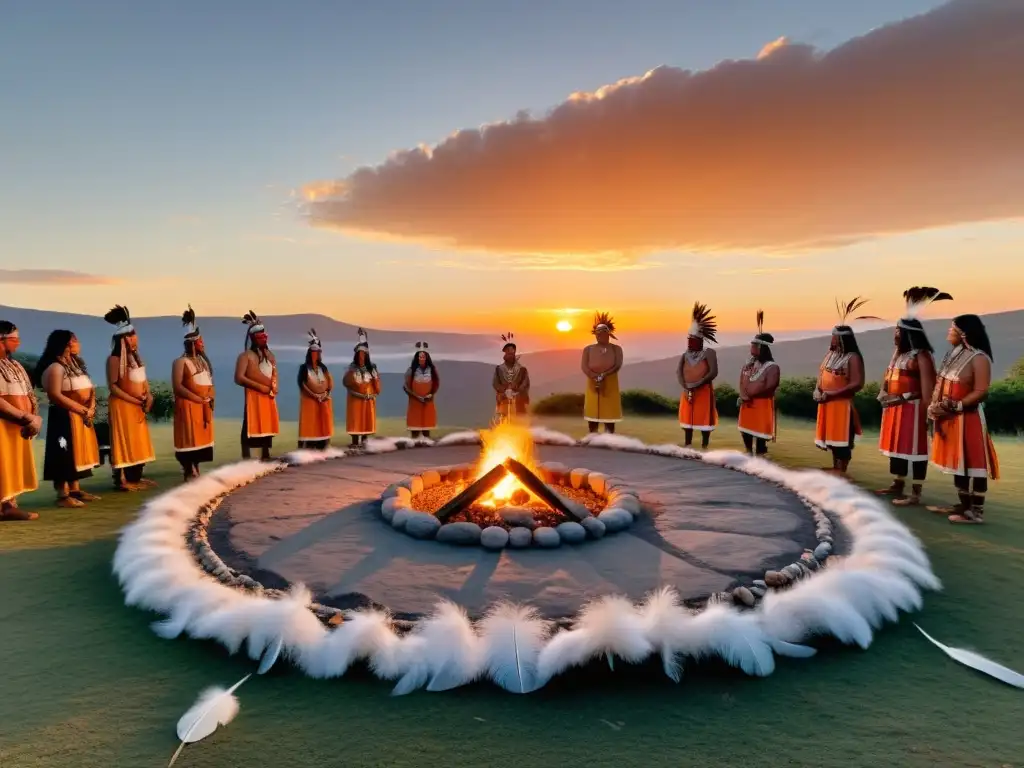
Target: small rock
[(578, 477), (577, 510), (823, 550), (335, 620), (520, 538), (807, 559), (625, 500), (546, 537), (594, 527), (401, 517), (415, 485), (247, 582), (517, 516), (571, 533), (615, 519), (392, 505), (758, 591), (793, 571), (456, 474), (744, 596), (399, 491), (494, 537), (422, 525), (430, 478), (760, 584), (597, 483), (776, 578), (459, 533)]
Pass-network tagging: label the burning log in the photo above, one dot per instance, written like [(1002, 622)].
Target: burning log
[(537, 487), (475, 491)]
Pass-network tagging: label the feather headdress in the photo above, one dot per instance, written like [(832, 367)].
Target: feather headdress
[(917, 299), (314, 341), (121, 319), (188, 320), (364, 341), (603, 322), (761, 337), (845, 312), (508, 340), (704, 325), (255, 325)]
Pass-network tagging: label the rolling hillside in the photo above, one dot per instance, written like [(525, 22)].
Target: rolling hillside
[(802, 357)]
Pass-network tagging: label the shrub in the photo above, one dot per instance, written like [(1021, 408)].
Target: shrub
[(1017, 370), (725, 400), (163, 402), (643, 402), (560, 404)]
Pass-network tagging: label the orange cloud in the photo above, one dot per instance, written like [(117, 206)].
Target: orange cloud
[(914, 125), (57, 277)]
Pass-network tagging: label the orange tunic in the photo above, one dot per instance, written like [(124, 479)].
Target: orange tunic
[(904, 433), (130, 443), (419, 416), (361, 413), (838, 421), (17, 464), (193, 422), (697, 408), (757, 415), (261, 416), (962, 444), (316, 419), (83, 439)]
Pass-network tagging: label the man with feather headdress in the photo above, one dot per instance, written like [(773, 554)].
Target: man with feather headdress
[(696, 373), (905, 395), (511, 382), (962, 446), (759, 379), (840, 378), (130, 400), (601, 362), (362, 380), (256, 373), (192, 384)]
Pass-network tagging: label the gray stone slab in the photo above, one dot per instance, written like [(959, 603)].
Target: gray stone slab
[(701, 528)]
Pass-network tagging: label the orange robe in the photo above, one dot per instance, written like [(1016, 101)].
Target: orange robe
[(962, 444), (316, 419), (838, 421), (757, 415), (130, 443), (904, 433), (420, 417), (193, 422), (697, 407), (17, 464), (261, 416), (361, 414)]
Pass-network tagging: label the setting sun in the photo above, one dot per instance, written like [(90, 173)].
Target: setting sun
[(563, 326)]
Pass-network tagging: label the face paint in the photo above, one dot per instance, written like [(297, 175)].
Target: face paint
[(694, 344), (260, 339)]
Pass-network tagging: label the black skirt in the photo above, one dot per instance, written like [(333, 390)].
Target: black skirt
[(196, 456), (59, 458), (254, 442)]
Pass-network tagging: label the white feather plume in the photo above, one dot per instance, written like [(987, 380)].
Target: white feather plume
[(214, 708), (447, 652), (512, 637), (609, 626), (737, 638), (662, 615), (979, 662)]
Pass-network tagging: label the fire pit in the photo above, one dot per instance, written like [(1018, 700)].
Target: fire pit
[(507, 499)]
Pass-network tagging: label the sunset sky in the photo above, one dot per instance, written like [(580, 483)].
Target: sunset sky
[(777, 155)]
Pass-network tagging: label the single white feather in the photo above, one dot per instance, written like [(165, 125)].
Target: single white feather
[(817, 607), (512, 637), (737, 638), (979, 662), (361, 635), (661, 614), (443, 652), (271, 655), (609, 626), (215, 707)]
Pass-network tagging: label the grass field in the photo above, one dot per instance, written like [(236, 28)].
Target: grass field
[(83, 681)]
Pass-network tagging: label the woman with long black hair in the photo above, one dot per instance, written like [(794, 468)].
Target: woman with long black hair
[(316, 410), (19, 424), (71, 448), (421, 385)]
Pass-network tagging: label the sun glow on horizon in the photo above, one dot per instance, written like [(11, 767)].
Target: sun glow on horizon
[(563, 326)]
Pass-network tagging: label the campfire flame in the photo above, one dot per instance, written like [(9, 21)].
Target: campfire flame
[(505, 441)]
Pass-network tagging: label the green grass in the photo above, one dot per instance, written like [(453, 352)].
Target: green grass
[(83, 681)]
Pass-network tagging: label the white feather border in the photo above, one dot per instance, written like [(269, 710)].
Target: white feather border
[(885, 573)]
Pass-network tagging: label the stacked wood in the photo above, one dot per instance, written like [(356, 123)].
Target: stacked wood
[(473, 493)]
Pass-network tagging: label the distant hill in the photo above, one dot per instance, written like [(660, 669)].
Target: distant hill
[(802, 357)]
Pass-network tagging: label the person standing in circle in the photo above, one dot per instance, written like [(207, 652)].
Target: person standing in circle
[(19, 424), (421, 385), (316, 409), (71, 448), (192, 382), (363, 384)]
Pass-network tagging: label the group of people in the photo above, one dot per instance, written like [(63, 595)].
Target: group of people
[(914, 395)]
